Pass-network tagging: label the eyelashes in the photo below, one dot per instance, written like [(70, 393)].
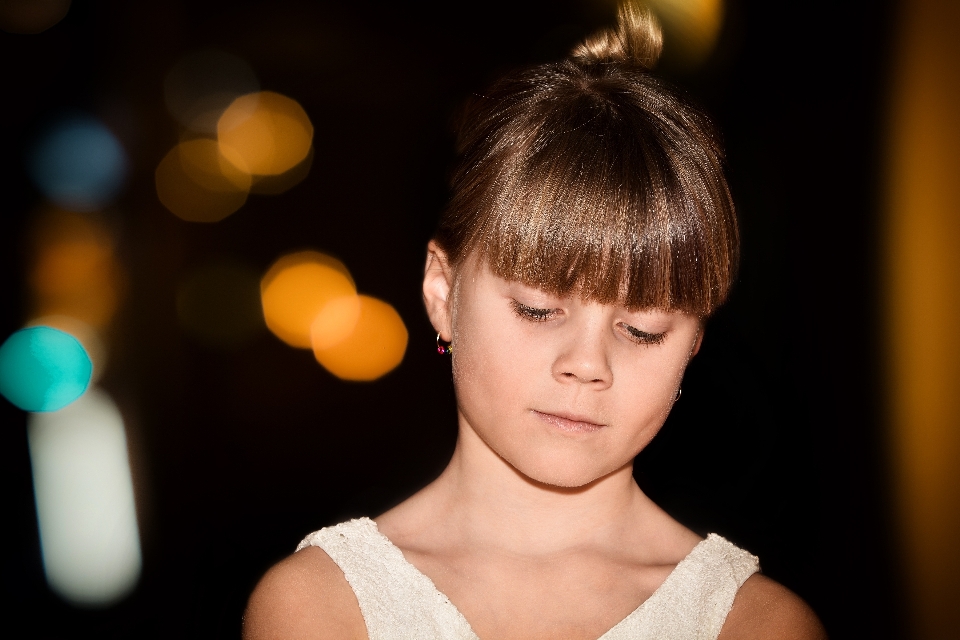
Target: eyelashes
[(643, 337), (535, 314), (531, 313)]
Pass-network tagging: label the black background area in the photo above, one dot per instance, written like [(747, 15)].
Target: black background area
[(776, 442)]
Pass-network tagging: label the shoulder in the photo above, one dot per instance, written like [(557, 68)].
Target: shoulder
[(303, 597), (766, 609)]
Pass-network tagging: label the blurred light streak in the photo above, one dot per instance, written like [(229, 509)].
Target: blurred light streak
[(922, 274), (219, 304), (296, 289), (265, 133), (197, 184), (31, 16), (78, 164), (202, 84), (74, 271), (43, 369), (691, 27), (85, 504), (375, 347)]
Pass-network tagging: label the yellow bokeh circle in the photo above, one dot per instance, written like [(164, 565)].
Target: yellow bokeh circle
[(265, 133), (297, 288), (375, 346), (692, 27)]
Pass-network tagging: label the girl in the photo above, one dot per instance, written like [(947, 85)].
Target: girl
[(589, 236)]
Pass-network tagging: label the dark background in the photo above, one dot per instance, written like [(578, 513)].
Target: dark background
[(776, 442)]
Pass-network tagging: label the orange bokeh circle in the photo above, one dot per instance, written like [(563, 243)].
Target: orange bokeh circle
[(297, 288), (196, 183), (265, 133), (375, 347)]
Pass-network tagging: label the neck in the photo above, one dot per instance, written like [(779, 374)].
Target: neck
[(492, 503)]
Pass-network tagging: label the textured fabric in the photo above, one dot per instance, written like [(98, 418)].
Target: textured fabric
[(399, 602), (396, 599)]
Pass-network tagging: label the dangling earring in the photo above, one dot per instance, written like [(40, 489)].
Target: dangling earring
[(443, 348), (679, 391)]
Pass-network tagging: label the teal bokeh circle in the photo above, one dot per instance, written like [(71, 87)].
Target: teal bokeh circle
[(43, 369)]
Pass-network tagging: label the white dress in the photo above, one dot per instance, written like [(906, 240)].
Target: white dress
[(399, 602)]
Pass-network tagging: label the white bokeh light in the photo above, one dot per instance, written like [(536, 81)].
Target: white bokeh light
[(85, 503)]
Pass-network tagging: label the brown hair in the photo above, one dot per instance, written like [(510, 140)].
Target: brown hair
[(590, 176)]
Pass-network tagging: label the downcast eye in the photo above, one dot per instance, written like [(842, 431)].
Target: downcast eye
[(644, 337), (531, 313)]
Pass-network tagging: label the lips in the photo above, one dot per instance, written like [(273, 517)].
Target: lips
[(569, 422)]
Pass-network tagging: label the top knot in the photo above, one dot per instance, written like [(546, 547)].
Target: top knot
[(637, 39)]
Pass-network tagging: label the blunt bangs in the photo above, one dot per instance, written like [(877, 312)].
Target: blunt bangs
[(595, 182)]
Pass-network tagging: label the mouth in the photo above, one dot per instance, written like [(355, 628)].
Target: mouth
[(569, 423)]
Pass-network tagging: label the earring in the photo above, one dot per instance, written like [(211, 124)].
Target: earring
[(679, 391), (443, 348)]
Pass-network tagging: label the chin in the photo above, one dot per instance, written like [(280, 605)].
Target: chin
[(561, 474)]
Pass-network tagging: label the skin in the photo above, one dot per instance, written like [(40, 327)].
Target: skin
[(536, 528)]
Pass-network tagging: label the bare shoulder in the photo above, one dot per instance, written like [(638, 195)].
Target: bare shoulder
[(304, 597), (766, 609)]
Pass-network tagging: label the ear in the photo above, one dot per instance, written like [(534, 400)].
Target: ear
[(698, 340), (437, 288)]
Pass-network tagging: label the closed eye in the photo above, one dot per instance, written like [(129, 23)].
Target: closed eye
[(531, 313), (643, 337)]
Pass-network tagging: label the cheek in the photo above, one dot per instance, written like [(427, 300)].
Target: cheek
[(663, 375), (647, 389), (488, 363)]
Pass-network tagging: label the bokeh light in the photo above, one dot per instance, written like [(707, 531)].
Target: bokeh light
[(78, 164), (87, 336), (265, 133), (196, 183), (335, 322), (274, 185), (202, 85), (219, 304), (74, 271), (31, 16), (85, 502), (43, 369), (921, 298), (297, 288), (375, 346), (692, 27)]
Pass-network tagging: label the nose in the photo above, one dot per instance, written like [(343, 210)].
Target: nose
[(583, 359)]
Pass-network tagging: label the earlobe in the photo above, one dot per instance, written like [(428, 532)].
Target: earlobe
[(437, 285)]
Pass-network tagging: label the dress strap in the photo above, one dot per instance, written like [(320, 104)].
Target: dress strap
[(694, 600), (397, 600)]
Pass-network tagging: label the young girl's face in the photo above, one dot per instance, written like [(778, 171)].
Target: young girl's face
[(565, 390)]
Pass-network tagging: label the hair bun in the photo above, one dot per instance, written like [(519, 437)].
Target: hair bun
[(637, 39)]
